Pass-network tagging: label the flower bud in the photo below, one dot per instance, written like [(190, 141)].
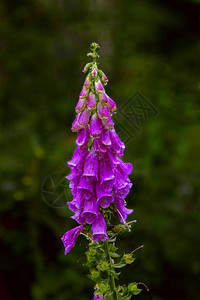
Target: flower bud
[(94, 72), (102, 111), (75, 124), (87, 83), (95, 126), (80, 105), (99, 86), (111, 105), (91, 101), (84, 118), (103, 98), (84, 93), (108, 124), (86, 68), (103, 76)]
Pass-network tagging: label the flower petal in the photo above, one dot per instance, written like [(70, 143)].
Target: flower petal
[(69, 238)]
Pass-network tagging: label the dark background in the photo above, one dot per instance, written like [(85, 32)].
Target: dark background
[(147, 47)]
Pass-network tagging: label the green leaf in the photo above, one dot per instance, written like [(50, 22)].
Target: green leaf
[(112, 240), (102, 288), (128, 258), (133, 289), (114, 254), (119, 265), (95, 275), (104, 266)]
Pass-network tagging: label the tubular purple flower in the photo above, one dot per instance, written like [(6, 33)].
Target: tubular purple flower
[(90, 210), (125, 168), (87, 83), (102, 111), (83, 137), (84, 93), (122, 186), (103, 198), (111, 105), (103, 98), (104, 78), (122, 211), (72, 175), (91, 166), (95, 126), (99, 86), (99, 229), (99, 147), (75, 124), (106, 176), (74, 183), (105, 137), (77, 217), (69, 238), (108, 124), (78, 156), (77, 202), (111, 157), (87, 186), (117, 145), (91, 101), (80, 105), (73, 205), (84, 118)]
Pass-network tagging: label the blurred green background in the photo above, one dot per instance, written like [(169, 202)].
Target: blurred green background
[(147, 46)]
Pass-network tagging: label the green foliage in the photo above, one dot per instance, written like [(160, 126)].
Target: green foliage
[(133, 289), (101, 261)]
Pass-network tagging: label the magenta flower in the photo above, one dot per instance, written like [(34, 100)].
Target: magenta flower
[(95, 126), (99, 229), (84, 118), (80, 105), (102, 110), (87, 83), (91, 101), (99, 86), (108, 124), (84, 93), (103, 198), (98, 297), (98, 178), (90, 210), (111, 105), (83, 137), (69, 238), (94, 72), (103, 98)]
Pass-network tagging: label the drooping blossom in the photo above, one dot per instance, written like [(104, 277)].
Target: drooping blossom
[(98, 178), (70, 236)]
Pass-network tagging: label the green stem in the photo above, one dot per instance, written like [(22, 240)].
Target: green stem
[(110, 276)]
